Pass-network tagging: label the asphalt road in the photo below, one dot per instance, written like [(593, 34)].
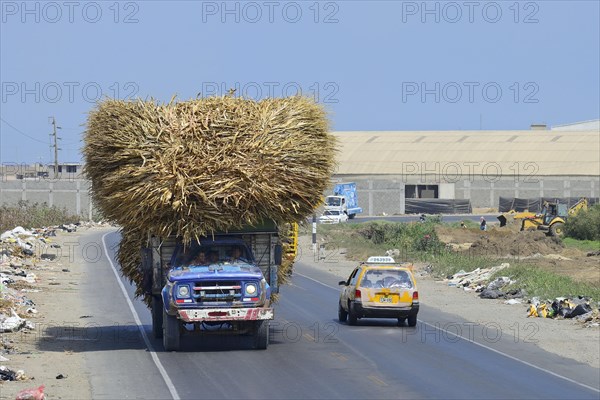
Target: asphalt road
[(311, 355)]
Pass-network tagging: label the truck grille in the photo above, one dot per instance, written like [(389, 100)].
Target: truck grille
[(207, 291)]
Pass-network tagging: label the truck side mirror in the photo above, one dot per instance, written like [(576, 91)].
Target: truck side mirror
[(278, 254)]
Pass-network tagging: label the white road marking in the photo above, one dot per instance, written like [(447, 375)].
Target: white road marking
[(316, 281), (480, 345), (155, 358)]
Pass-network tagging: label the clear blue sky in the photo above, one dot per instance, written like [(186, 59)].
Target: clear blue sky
[(376, 65)]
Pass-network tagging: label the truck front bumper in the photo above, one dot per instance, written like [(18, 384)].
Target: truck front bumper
[(226, 314)]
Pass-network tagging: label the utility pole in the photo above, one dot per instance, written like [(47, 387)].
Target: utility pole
[(55, 145)]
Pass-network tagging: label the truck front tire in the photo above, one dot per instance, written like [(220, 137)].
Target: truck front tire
[(261, 335), (171, 332), (157, 317)]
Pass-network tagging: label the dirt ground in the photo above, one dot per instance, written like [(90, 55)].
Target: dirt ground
[(58, 305), (566, 338), (533, 247)]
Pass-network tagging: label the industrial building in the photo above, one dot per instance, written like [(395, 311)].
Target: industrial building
[(390, 167)]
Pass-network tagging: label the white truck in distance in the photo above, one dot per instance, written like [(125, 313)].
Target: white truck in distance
[(344, 200)]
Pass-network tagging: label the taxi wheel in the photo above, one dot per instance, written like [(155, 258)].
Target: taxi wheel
[(352, 319), (342, 314), (412, 320), (401, 321)]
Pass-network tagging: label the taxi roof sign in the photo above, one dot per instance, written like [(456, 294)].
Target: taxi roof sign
[(381, 260)]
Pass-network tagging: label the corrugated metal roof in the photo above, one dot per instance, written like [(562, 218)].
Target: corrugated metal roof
[(476, 152), (591, 125)]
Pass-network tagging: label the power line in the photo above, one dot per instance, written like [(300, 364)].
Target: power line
[(21, 132)]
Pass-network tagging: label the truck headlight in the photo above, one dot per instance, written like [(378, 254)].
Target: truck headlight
[(183, 291), (250, 289)]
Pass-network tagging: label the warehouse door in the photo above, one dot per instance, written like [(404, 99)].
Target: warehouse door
[(421, 191)]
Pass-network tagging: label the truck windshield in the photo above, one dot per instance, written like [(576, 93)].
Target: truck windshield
[(331, 212), (333, 201), (204, 255)]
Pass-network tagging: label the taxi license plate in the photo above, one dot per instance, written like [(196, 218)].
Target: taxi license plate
[(385, 299)]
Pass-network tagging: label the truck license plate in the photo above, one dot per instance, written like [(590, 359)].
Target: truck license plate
[(385, 299)]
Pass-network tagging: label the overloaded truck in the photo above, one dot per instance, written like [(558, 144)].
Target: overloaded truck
[(344, 200), (198, 186), (219, 284)]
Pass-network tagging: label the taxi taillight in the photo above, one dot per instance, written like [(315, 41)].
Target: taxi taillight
[(415, 295), (357, 294)]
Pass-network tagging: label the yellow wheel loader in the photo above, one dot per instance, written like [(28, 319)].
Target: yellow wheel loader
[(552, 218)]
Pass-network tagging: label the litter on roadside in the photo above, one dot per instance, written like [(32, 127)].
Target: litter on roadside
[(31, 394), (475, 278), (577, 308), (513, 301), (13, 323), (7, 374)]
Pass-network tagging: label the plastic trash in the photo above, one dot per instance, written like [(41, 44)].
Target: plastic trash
[(19, 230), (580, 309), (491, 294), (32, 394), (7, 374), (513, 301), (498, 283), (516, 293), (11, 324)]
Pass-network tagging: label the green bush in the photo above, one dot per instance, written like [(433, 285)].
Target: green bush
[(33, 215), (585, 225), (411, 236)]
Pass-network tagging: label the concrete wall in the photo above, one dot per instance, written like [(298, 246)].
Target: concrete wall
[(72, 194), (378, 194)]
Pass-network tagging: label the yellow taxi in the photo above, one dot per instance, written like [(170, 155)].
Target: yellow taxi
[(379, 288)]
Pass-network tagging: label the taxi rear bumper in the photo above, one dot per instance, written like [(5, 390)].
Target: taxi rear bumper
[(384, 312)]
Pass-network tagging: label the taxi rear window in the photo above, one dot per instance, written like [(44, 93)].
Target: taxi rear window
[(383, 278)]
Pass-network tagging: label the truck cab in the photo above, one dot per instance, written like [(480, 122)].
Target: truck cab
[(214, 273), (217, 284)]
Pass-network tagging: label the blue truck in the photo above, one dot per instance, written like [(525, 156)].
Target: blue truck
[(219, 284), (344, 199)]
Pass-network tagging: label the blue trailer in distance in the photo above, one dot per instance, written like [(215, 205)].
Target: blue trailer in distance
[(344, 199)]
